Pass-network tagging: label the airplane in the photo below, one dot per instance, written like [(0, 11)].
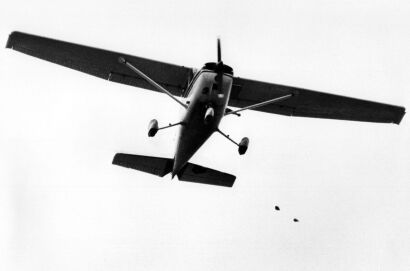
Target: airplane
[(209, 93)]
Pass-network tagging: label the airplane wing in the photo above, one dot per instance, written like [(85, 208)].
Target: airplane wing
[(102, 63), (308, 103)]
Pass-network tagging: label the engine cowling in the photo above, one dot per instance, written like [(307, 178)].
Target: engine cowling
[(243, 145), (152, 128)]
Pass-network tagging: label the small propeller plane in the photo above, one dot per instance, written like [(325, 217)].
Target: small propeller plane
[(208, 92)]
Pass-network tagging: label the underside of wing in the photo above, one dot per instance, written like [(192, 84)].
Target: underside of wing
[(308, 103), (102, 63)]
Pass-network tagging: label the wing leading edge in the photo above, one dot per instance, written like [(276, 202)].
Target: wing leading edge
[(245, 92), (102, 63), (309, 103)]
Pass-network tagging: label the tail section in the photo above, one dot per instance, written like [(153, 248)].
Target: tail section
[(198, 174), (153, 165), (162, 166)]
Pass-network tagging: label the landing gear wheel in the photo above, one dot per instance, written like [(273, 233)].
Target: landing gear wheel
[(209, 115), (152, 128), (243, 145)]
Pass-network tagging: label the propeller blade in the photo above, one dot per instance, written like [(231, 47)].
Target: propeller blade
[(219, 68), (219, 50), (220, 81)]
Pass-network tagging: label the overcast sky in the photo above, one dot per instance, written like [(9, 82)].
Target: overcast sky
[(63, 206)]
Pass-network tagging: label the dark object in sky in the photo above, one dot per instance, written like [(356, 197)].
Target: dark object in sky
[(208, 92), (295, 220), (277, 208)]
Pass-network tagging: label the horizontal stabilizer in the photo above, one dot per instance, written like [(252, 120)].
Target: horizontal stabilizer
[(162, 166), (198, 174), (153, 165)]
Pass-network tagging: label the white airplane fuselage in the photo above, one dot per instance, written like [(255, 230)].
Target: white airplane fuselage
[(203, 93)]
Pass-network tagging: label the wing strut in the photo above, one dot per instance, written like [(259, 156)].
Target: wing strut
[(281, 98), (150, 81)]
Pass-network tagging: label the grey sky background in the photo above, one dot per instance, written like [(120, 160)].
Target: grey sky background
[(63, 206)]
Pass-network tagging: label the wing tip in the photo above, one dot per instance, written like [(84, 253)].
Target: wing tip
[(12, 39), (116, 158), (399, 116)]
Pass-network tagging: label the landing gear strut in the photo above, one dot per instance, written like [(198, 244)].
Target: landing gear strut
[(153, 127), (242, 146)]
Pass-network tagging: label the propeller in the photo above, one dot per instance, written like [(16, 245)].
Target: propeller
[(219, 67), (219, 50)]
